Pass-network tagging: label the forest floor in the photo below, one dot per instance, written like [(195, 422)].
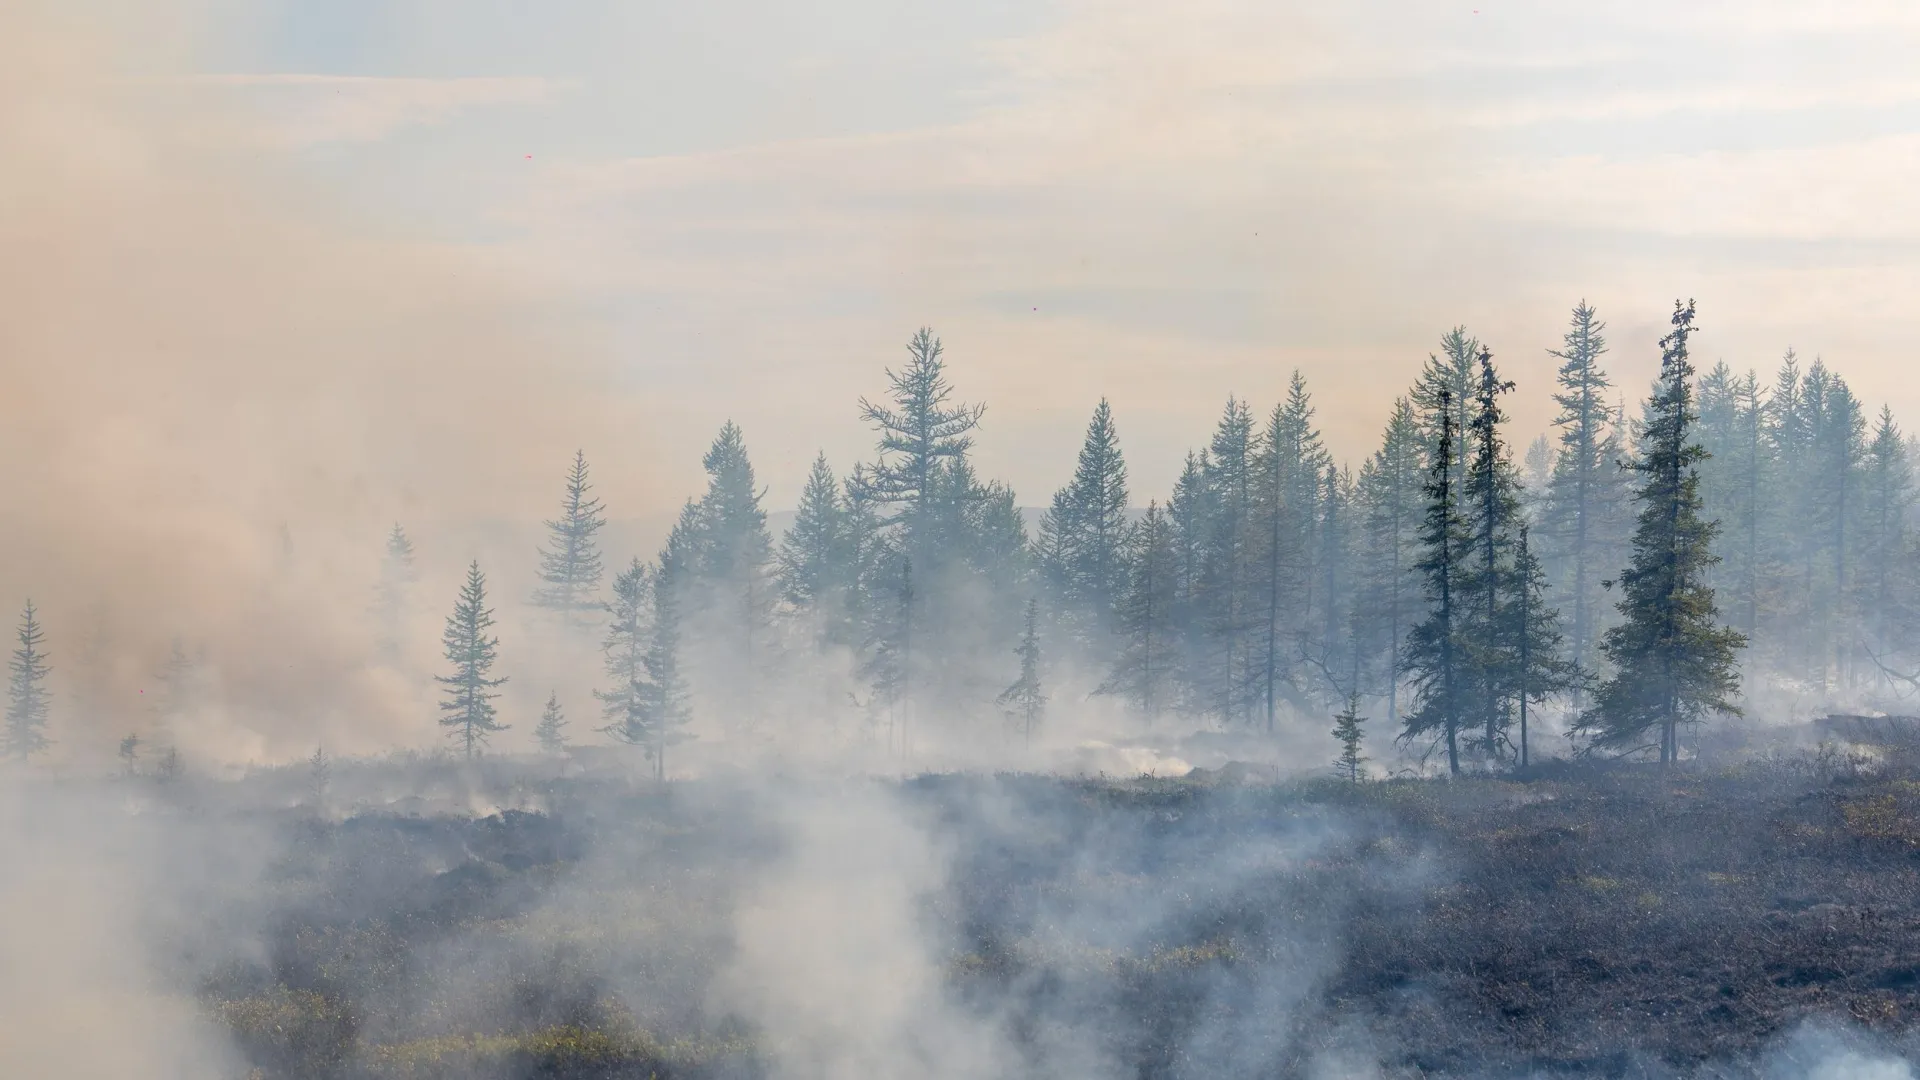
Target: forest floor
[(1594, 921)]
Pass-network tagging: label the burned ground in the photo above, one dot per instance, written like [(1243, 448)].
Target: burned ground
[(1604, 922)]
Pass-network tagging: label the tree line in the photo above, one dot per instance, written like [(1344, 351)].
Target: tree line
[(1613, 572), (1456, 584)]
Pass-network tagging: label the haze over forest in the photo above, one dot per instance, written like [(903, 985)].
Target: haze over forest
[(1086, 540)]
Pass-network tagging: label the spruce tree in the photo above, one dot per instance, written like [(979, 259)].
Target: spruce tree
[(813, 568), (1228, 605), (552, 729), (1537, 667), (1433, 661), (1083, 533), (27, 698), (1387, 598), (1349, 731), (468, 712), (1026, 698), (1883, 585), (624, 657), (1289, 465), (733, 579), (570, 563), (918, 431), (1673, 660), (1491, 506), (1581, 512), (1190, 511), (129, 751), (1455, 370), (397, 575), (667, 703), (1144, 670)]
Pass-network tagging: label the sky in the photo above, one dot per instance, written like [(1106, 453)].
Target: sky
[(750, 206)]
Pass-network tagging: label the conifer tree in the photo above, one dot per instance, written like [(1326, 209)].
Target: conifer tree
[(1883, 586), (733, 579), (624, 656), (1227, 600), (570, 563), (1390, 494), (1289, 464), (129, 751), (1534, 644), (813, 558), (397, 575), (1144, 618), (1582, 510), (468, 712), (1490, 496), (552, 729), (1083, 535), (27, 698), (1673, 661), (918, 431), (1433, 659), (1350, 732), (1732, 430), (1190, 516), (669, 695), (1026, 698), (1455, 370)]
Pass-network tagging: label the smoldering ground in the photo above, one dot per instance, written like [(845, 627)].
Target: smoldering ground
[(960, 926)]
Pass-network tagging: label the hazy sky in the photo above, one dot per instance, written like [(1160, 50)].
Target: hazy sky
[(754, 204)]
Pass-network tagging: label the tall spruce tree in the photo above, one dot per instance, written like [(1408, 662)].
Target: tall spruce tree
[(624, 704), (27, 698), (470, 691), (918, 430), (1026, 698), (1083, 534), (814, 569), (1190, 516), (570, 563), (1582, 513), (1433, 657), (1289, 465), (1883, 586), (1673, 660), (1228, 607), (1145, 666), (1537, 668), (1387, 598), (666, 699), (1454, 370), (1491, 506), (733, 578)]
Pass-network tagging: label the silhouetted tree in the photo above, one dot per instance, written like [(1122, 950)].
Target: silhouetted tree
[(468, 711), (1026, 698), (1433, 660), (1145, 666), (570, 563), (1083, 534), (27, 698), (1350, 733), (552, 729), (1674, 661)]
